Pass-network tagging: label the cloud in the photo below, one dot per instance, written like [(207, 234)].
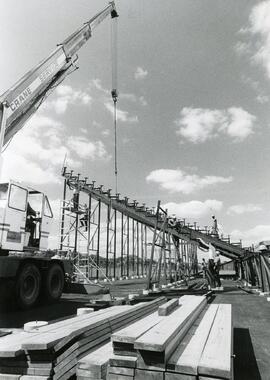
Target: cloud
[(199, 125), (96, 83), (243, 208), (259, 28), (64, 96), (133, 98), (143, 101), (193, 209), (179, 181), (87, 149), (140, 73), (121, 115), (253, 235), (36, 153)]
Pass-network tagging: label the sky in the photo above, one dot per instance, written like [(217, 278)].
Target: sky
[(193, 109)]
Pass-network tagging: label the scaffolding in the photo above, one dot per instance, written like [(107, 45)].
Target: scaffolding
[(109, 237)]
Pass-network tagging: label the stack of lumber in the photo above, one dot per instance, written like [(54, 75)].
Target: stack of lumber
[(197, 346), (53, 351), (194, 342)]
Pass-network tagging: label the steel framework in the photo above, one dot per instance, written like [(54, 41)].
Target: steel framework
[(111, 238)]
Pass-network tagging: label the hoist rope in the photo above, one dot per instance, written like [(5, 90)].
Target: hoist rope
[(114, 92)]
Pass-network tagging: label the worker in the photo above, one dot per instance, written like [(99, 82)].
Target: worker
[(75, 200), (84, 219), (214, 226), (30, 223), (217, 264), (211, 266), (204, 267)]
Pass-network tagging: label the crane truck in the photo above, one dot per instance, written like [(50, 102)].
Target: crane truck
[(27, 271)]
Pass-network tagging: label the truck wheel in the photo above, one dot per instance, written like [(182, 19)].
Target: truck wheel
[(54, 283), (28, 286)]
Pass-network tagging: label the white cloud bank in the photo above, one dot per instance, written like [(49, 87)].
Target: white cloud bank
[(140, 73), (253, 235), (199, 125), (37, 152), (179, 181), (86, 149), (64, 96), (243, 209), (123, 116), (193, 209), (259, 20)]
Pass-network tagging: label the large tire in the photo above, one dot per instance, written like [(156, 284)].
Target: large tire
[(28, 286), (54, 283)]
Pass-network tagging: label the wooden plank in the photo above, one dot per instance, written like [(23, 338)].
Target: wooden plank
[(123, 361), (65, 369), (27, 377), (112, 376), (216, 360), (187, 361), (49, 339), (11, 345), (179, 376), (121, 371), (141, 374), (135, 330), (168, 307), (124, 315), (156, 345), (95, 364)]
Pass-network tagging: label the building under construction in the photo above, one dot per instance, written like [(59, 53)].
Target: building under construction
[(124, 295)]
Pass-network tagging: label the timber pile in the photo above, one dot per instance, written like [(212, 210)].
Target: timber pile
[(193, 343), (54, 350)]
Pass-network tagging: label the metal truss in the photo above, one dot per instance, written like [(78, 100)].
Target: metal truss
[(110, 237)]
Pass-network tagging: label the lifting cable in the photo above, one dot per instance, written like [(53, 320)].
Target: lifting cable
[(114, 92)]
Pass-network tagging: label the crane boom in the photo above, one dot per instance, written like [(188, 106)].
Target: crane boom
[(24, 98)]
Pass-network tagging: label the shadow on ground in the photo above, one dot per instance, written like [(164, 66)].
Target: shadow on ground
[(245, 364)]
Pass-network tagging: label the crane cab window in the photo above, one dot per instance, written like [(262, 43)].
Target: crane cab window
[(47, 208), (17, 197), (3, 191)]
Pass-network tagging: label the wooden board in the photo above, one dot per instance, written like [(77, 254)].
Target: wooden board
[(95, 363), (188, 361), (216, 360), (112, 376), (134, 331), (168, 307), (123, 361), (121, 371), (156, 345), (179, 376), (141, 374)]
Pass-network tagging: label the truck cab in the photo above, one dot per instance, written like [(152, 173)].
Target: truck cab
[(25, 218)]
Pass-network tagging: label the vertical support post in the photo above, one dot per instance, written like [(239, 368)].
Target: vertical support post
[(128, 246), (170, 257), (63, 215), (261, 273), (152, 250), (145, 251), (108, 239), (89, 232), (98, 237), (76, 224), (122, 244), (138, 249), (142, 250), (133, 246), (114, 244)]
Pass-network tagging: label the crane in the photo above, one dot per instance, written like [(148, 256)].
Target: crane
[(23, 99), (25, 213)]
